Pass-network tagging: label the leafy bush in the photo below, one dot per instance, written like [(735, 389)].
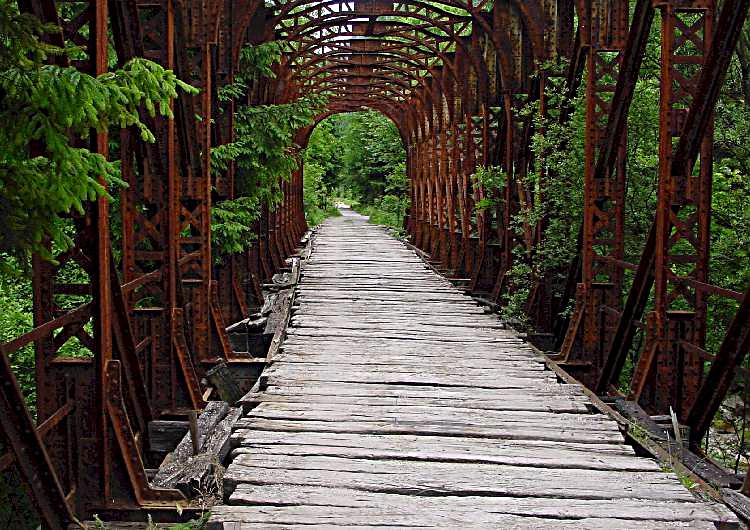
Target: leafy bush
[(314, 215), (388, 211)]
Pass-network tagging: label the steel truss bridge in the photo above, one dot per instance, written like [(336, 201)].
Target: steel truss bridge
[(453, 76)]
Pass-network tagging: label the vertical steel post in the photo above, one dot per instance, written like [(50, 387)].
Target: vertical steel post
[(669, 375)]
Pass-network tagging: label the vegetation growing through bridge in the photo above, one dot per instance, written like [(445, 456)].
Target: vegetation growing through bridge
[(263, 150), (556, 184)]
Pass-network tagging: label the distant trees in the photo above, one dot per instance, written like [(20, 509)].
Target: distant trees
[(360, 158)]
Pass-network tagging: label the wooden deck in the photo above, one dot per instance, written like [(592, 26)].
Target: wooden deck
[(396, 401)]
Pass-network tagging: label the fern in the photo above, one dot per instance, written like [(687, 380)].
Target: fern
[(257, 61)]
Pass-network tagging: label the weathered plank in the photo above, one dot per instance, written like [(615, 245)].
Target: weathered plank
[(450, 450), (452, 415), (288, 377), (471, 447), (633, 509), (268, 518), (531, 403), (182, 465), (410, 363), (444, 479), (423, 427), (407, 391)]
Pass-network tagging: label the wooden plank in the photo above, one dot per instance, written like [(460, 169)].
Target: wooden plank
[(454, 415), (455, 450), (401, 335), (285, 365), (428, 478), (405, 391), (472, 447), (164, 435), (517, 523), (531, 432), (429, 347), (530, 403), (279, 376), (409, 362), (630, 509)]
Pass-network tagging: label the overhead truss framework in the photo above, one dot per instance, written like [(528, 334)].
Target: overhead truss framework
[(455, 77)]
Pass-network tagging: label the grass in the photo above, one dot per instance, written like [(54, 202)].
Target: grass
[(195, 524), (386, 211), (315, 215)]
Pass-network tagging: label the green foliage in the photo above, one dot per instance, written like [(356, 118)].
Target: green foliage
[(263, 151), (360, 158), (318, 201), (43, 176), (265, 155), (557, 187), (321, 173), (555, 184), (388, 210), (265, 143), (232, 224), (21, 43), (195, 524), (16, 319), (730, 216), (490, 179), (314, 215), (257, 61), (373, 161)]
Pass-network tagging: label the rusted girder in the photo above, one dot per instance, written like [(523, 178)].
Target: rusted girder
[(697, 119)]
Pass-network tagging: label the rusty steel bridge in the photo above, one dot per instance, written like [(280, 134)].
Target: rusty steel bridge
[(453, 75)]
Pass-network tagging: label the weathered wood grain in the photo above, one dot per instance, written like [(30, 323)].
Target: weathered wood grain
[(438, 479), (633, 509), (471, 447), (450, 450), (452, 415), (508, 403), (396, 401)]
